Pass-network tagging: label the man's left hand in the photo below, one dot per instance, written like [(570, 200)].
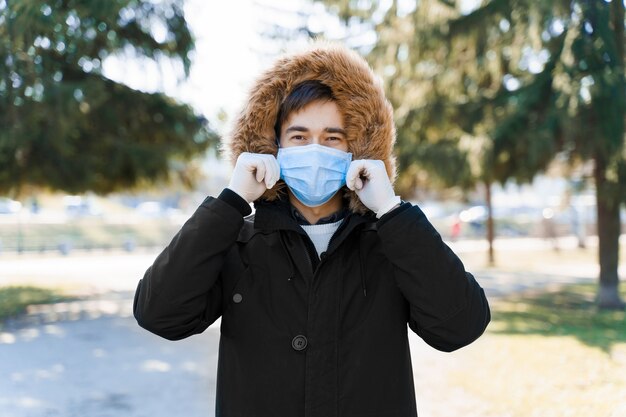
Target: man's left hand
[(369, 179)]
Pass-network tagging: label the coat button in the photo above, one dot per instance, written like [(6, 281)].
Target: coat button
[(237, 298), (299, 343)]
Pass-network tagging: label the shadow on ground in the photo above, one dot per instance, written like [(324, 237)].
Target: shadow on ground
[(568, 310)]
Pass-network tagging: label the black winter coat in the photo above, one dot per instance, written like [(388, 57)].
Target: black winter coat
[(309, 337)]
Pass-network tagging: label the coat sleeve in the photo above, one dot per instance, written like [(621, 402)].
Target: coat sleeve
[(448, 308), (180, 294)]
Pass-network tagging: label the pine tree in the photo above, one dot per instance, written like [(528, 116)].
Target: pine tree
[(500, 92), (63, 124)]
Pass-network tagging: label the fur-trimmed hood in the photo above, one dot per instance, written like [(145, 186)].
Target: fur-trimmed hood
[(368, 116)]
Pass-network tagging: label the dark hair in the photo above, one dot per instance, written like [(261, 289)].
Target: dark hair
[(301, 95)]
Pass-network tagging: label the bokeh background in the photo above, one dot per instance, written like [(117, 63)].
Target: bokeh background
[(510, 136)]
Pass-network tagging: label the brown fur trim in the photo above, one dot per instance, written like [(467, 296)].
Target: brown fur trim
[(368, 116)]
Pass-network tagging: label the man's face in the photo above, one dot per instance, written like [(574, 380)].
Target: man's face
[(319, 122)]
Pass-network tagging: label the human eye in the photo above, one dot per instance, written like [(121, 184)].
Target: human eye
[(334, 140), (298, 138)]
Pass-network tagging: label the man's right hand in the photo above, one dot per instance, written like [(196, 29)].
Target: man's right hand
[(254, 173)]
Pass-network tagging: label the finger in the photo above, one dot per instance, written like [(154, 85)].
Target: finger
[(242, 161), (358, 183), (268, 173), (275, 170), (361, 174), (353, 174), (378, 167), (260, 170)]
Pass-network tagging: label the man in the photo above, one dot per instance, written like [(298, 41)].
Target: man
[(316, 289)]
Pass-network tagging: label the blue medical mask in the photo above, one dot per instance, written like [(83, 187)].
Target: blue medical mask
[(314, 173)]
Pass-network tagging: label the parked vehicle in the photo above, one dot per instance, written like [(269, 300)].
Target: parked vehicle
[(8, 206)]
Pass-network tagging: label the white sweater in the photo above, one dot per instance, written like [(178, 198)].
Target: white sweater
[(320, 234)]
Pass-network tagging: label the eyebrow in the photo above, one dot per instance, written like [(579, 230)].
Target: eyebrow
[(335, 130), (306, 129)]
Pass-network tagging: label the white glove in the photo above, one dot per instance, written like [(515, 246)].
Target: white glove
[(254, 173), (368, 178)]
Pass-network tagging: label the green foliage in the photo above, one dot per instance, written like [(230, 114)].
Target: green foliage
[(509, 87), (538, 79), (15, 299), (438, 91), (528, 138), (65, 126), (576, 104)]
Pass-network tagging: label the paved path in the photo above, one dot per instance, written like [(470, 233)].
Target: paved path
[(109, 367), (90, 359), (105, 367)]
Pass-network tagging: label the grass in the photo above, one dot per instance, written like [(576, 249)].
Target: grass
[(567, 311), (15, 299), (545, 353)]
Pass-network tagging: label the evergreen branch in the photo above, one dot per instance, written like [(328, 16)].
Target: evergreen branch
[(493, 10), (449, 3)]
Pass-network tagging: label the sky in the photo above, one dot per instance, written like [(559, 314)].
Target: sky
[(230, 54)]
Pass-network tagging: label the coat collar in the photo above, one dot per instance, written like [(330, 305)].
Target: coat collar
[(277, 215)]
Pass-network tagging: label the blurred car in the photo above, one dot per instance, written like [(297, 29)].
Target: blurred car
[(474, 215), (509, 221), (79, 206), (8, 206), (149, 209)]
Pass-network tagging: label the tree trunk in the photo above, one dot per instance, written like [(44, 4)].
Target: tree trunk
[(608, 202), (491, 261), (609, 228)]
